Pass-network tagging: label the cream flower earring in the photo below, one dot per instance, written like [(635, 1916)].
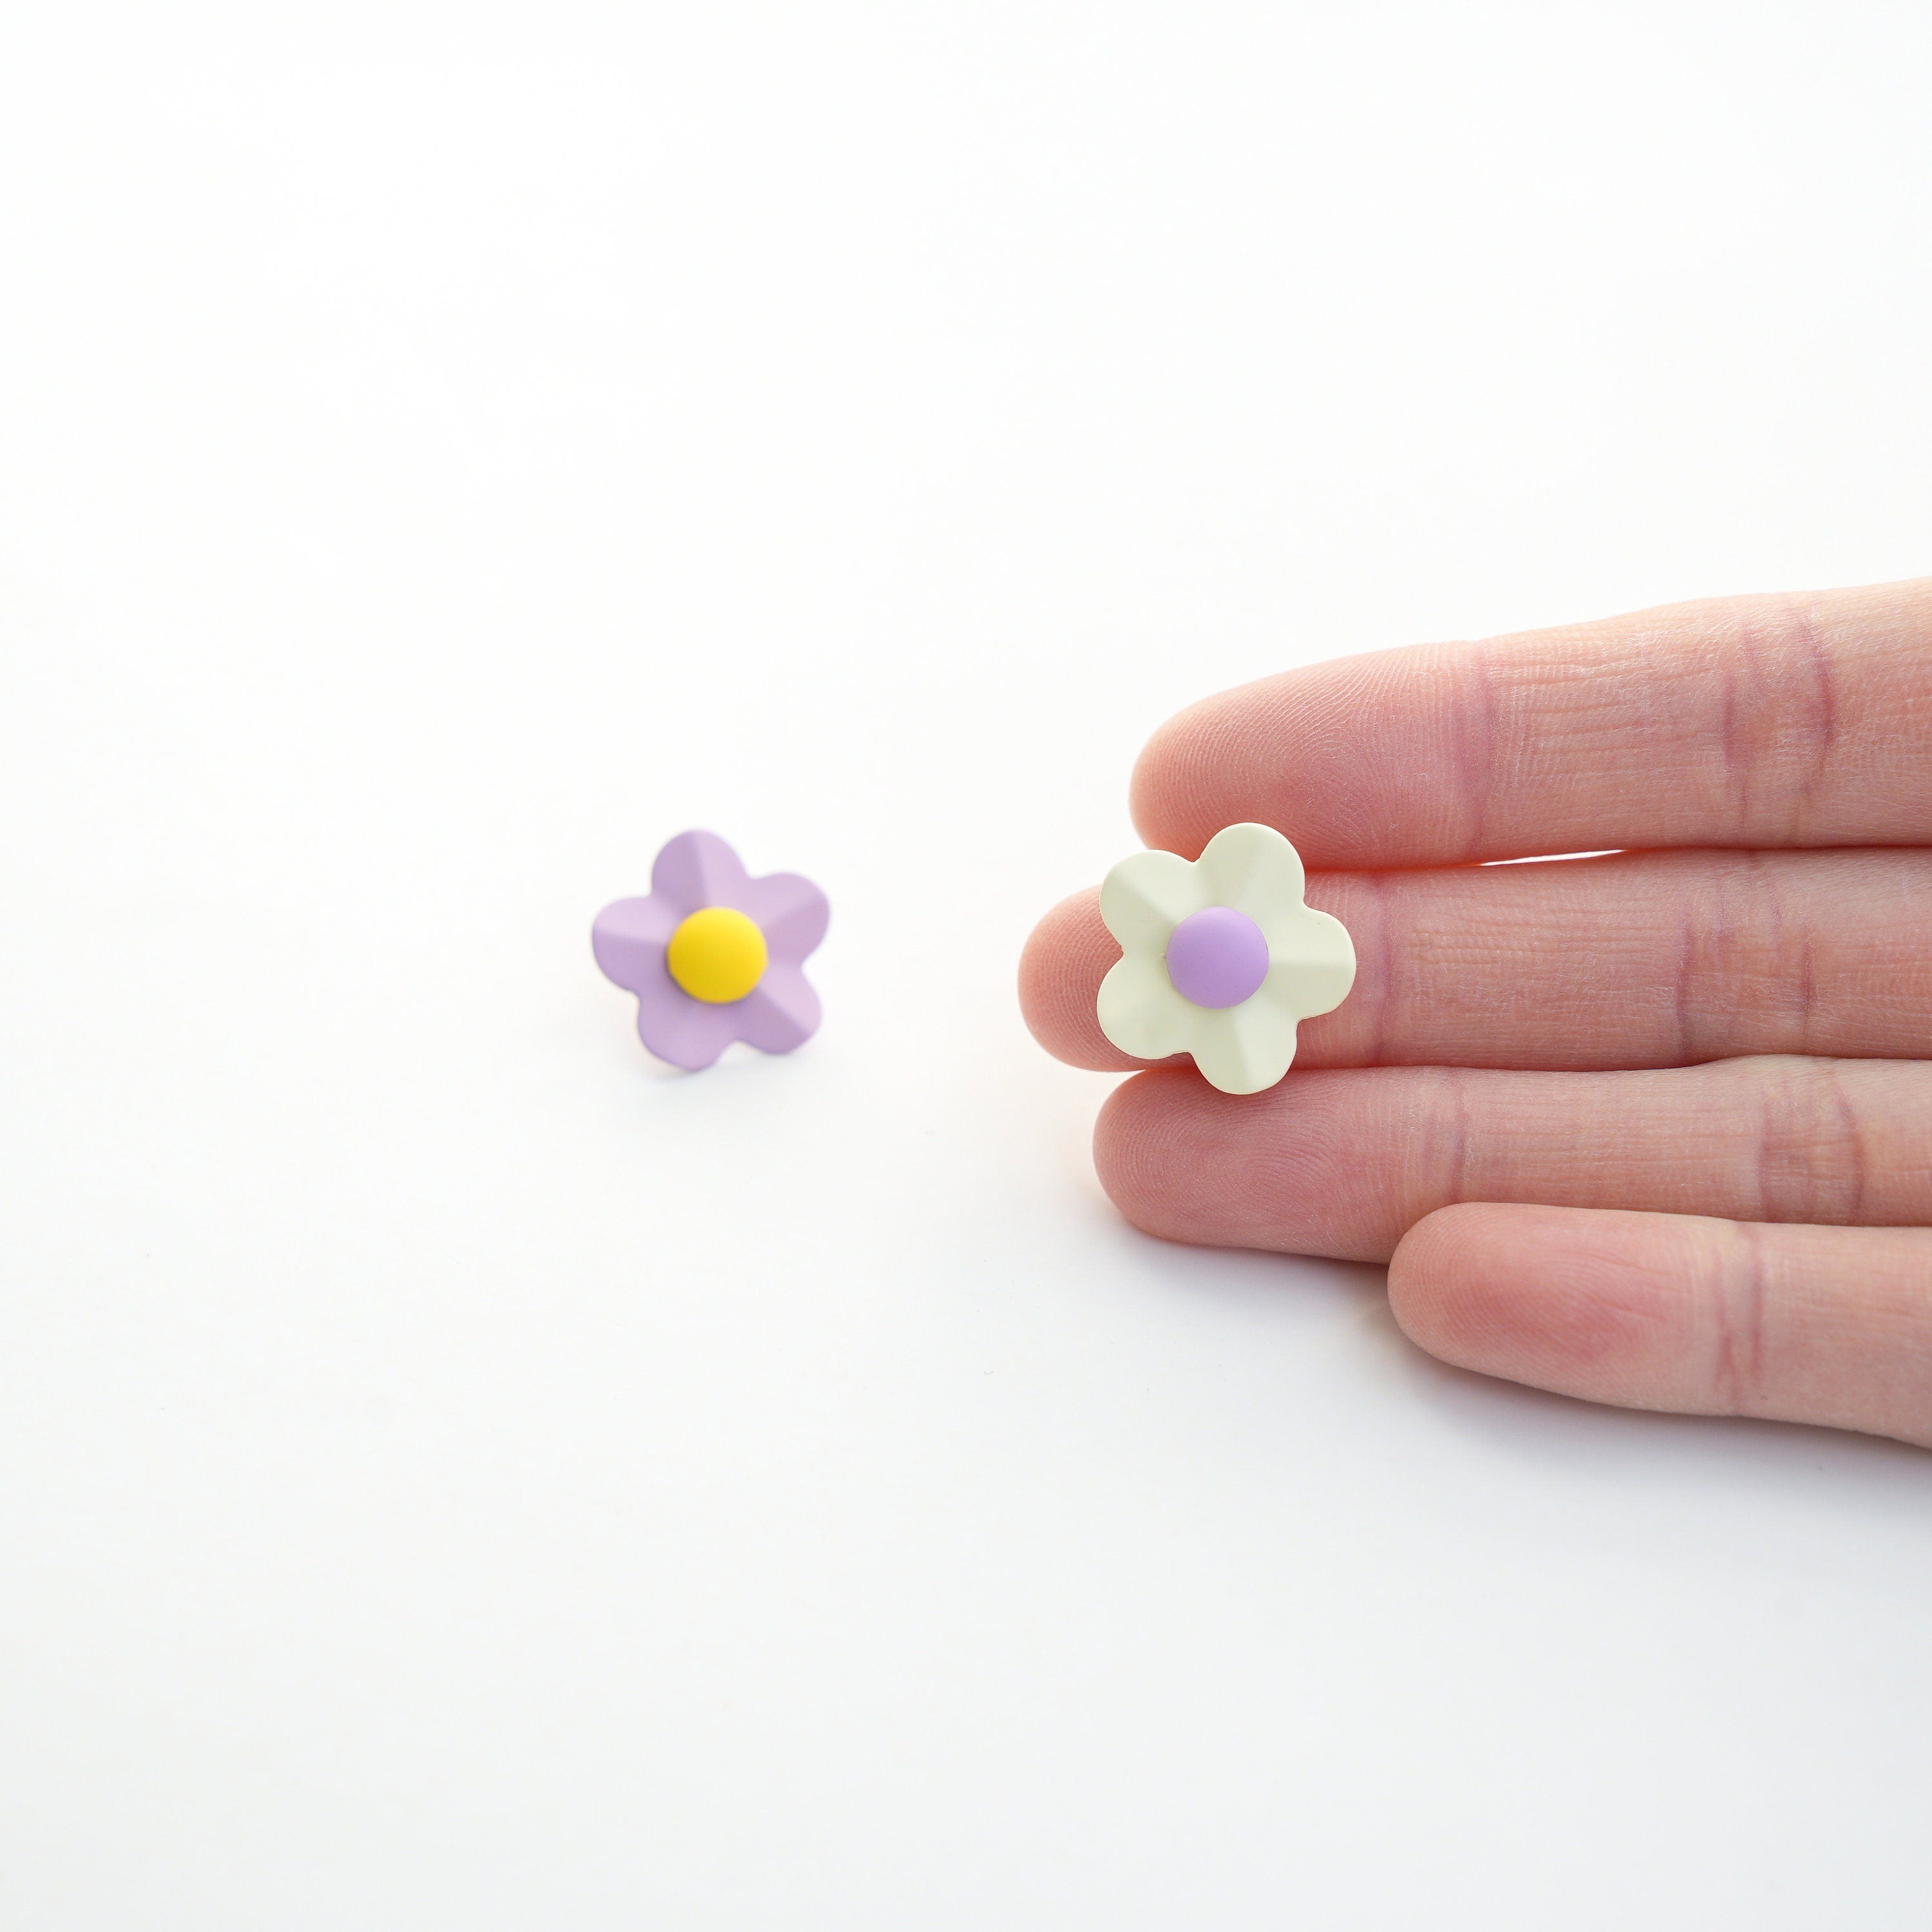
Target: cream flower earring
[(1223, 959)]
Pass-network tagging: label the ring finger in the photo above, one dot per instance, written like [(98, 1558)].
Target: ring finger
[(1343, 1163)]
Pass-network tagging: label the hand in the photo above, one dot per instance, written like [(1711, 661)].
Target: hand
[(1654, 1128)]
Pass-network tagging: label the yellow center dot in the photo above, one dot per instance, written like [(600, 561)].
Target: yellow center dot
[(717, 955)]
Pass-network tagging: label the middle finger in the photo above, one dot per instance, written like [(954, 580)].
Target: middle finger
[(1635, 960)]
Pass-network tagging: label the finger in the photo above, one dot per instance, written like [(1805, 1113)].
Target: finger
[(1642, 959), (1676, 1312), (1345, 1163), (1066, 957), (1752, 722)]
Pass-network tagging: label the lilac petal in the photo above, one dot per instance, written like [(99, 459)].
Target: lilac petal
[(791, 912), (628, 940), (690, 1033), (780, 1012), (698, 868)]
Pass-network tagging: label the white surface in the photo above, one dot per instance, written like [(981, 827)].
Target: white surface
[(453, 1476)]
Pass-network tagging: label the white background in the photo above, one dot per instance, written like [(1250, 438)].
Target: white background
[(453, 1474)]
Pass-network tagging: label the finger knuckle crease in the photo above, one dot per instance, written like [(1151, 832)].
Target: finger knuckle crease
[(1737, 1359), (1811, 1158)]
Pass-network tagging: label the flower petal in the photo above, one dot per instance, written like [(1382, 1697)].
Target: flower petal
[(791, 912), (697, 869), (1242, 1049), (780, 1012), (1253, 868), (690, 1033), (1140, 1011), (628, 940), (1312, 963), (1145, 897)]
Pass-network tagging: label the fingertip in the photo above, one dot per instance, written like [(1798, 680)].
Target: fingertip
[(1452, 1285), (1267, 1170), (1678, 1311), (1576, 1300), (1172, 795), (1287, 751), (1356, 759), (1064, 960), (1141, 1126)]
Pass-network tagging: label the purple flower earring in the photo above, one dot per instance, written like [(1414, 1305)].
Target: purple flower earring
[(713, 955)]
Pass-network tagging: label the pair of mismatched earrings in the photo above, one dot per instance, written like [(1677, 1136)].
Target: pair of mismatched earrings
[(1222, 958)]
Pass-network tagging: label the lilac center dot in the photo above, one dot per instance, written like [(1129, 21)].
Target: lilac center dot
[(1217, 958)]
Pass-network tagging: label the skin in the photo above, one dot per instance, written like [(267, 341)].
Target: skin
[(1652, 1128)]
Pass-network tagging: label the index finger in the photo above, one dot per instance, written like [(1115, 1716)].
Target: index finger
[(1754, 722)]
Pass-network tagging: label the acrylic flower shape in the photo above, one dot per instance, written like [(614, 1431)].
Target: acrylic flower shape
[(713, 955), (1222, 959)]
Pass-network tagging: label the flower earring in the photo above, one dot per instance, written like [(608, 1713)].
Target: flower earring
[(1222, 958), (714, 954)]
